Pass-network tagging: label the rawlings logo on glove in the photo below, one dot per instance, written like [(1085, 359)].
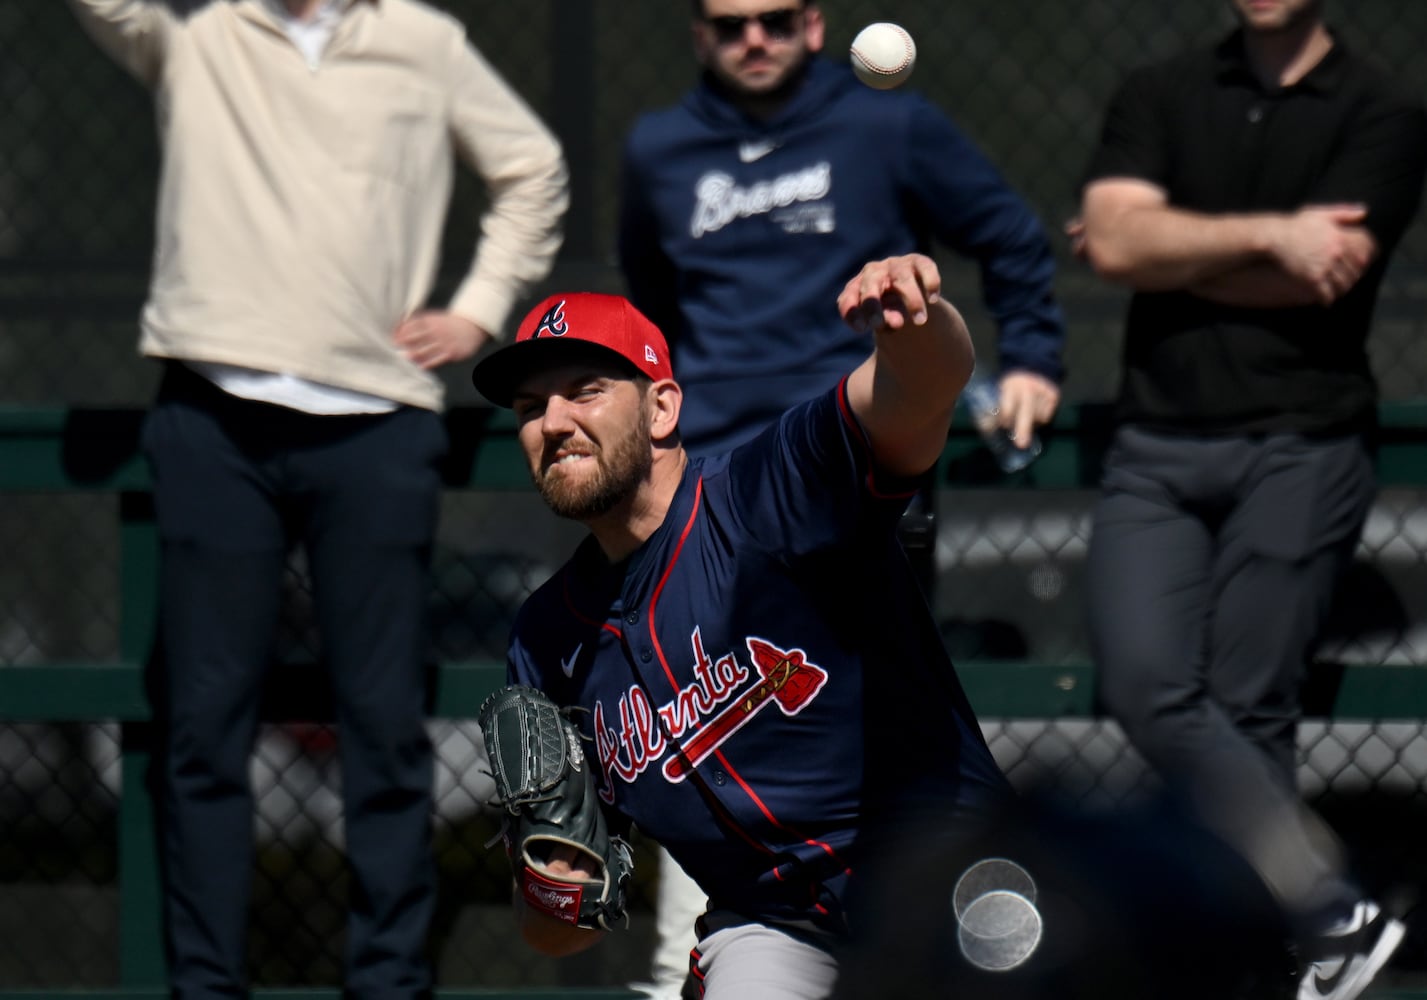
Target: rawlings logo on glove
[(552, 811)]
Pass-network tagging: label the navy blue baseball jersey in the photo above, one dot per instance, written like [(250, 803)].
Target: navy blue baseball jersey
[(762, 678)]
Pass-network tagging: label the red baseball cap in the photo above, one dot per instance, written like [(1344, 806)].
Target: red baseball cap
[(548, 332)]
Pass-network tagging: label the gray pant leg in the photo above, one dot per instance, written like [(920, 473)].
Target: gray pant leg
[(752, 960), (1281, 550), (1211, 566)]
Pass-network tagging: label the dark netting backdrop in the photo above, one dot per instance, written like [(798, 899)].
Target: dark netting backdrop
[(1028, 79)]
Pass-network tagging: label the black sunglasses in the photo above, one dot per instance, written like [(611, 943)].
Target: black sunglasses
[(778, 25)]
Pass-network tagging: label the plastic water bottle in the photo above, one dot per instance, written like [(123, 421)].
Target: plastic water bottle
[(982, 398)]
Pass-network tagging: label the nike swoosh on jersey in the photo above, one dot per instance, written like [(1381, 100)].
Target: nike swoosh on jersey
[(752, 151), (568, 666)]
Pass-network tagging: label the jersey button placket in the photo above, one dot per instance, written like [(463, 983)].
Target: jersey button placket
[(645, 653)]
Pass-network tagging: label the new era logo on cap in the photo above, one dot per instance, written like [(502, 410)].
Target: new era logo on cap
[(591, 318)]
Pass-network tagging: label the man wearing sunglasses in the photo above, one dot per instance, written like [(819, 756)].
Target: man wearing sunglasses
[(748, 205)]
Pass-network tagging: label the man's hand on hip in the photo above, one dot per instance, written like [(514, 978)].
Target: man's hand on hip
[(432, 338)]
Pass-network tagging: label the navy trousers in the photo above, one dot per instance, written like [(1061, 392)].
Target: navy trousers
[(237, 484), (1211, 568)]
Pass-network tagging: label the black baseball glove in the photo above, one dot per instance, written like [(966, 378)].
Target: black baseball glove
[(546, 787)]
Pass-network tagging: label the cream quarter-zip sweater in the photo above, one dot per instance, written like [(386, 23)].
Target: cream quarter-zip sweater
[(301, 206)]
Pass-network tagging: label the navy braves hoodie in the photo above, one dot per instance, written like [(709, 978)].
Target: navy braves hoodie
[(736, 236)]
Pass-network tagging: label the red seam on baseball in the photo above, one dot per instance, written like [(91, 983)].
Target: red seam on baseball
[(906, 60)]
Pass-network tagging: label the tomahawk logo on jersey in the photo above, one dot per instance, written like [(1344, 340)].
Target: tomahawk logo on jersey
[(788, 680), (706, 712)]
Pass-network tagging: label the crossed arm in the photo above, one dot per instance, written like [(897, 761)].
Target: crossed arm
[(1130, 234)]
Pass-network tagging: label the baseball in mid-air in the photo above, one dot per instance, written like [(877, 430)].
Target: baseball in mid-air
[(883, 55)]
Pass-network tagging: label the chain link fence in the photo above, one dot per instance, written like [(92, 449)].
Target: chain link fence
[(1028, 79)]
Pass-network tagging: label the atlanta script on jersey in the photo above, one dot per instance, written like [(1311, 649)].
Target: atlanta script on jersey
[(738, 671)]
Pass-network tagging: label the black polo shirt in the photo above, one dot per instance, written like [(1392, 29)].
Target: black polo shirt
[(1201, 127)]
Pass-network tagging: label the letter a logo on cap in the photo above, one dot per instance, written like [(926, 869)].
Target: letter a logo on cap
[(608, 322), (553, 323)]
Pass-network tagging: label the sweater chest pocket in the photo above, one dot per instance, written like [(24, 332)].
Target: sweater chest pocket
[(398, 134)]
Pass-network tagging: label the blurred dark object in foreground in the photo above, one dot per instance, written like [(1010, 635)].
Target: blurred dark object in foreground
[(1135, 905)]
